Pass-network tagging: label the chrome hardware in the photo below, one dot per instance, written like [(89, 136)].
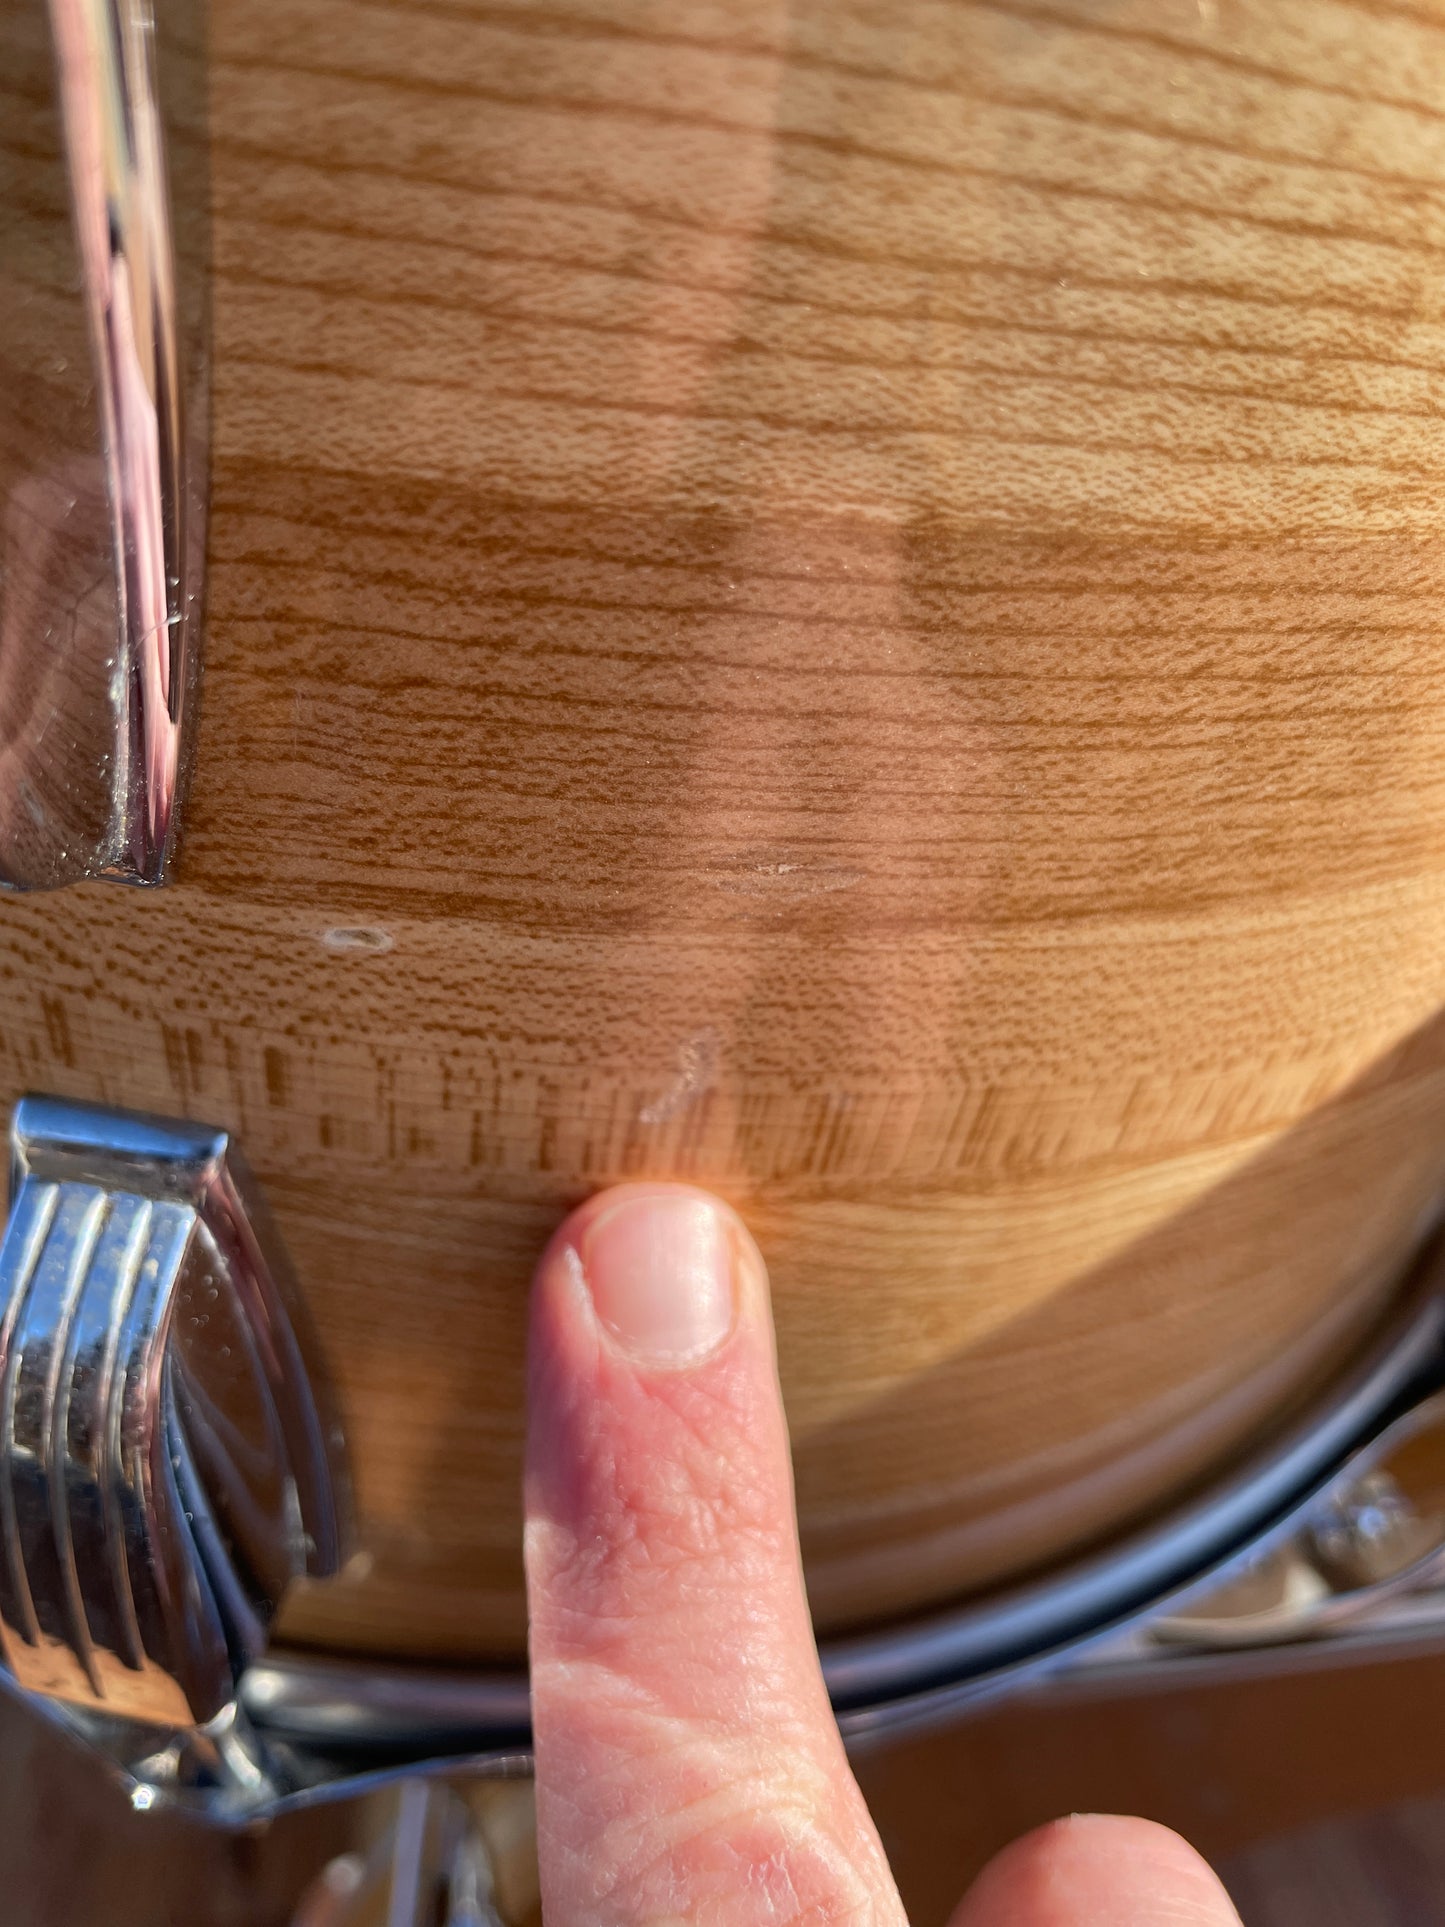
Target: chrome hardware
[(1375, 1530), (96, 688), (443, 1861), (168, 1465), (1380, 1532)]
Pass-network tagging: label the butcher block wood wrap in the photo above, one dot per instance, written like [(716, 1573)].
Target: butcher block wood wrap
[(841, 601)]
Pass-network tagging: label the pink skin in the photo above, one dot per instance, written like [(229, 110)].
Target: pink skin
[(688, 1767)]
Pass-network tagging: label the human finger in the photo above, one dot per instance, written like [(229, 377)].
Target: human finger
[(688, 1764), (1097, 1870)]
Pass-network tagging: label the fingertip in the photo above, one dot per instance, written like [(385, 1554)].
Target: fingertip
[(1097, 1868), (574, 1228), (662, 1271)]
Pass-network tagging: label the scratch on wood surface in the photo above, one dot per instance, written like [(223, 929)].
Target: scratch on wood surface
[(697, 1062)]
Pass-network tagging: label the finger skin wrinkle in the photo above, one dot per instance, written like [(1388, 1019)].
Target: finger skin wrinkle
[(722, 1861), (672, 1536), (656, 1740), (717, 1627), (633, 1707), (737, 1823), (636, 1757), (686, 1526), (642, 1451)]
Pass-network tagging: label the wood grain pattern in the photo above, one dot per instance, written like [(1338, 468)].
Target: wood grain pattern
[(844, 602)]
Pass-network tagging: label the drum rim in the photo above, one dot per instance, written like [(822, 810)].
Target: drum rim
[(922, 1670)]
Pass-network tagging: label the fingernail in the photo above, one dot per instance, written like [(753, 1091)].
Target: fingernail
[(660, 1269)]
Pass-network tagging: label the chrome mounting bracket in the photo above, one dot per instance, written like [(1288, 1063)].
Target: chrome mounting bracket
[(168, 1463)]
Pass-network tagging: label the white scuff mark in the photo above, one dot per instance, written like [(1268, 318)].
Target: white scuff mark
[(697, 1062), (34, 808), (353, 940), (788, 882)]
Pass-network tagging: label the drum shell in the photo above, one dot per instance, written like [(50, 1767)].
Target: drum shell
[(846, 610)]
